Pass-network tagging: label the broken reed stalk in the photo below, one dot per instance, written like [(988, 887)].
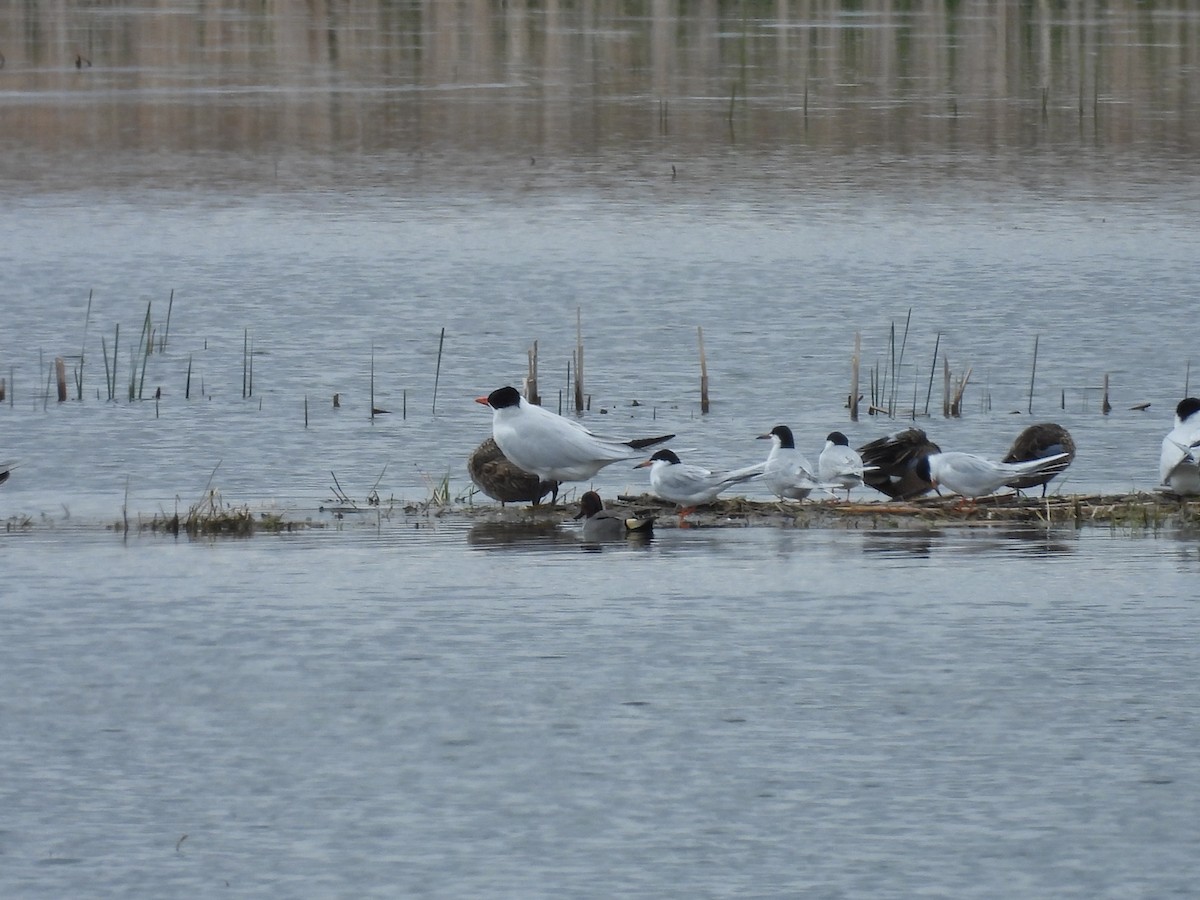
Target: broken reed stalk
[(854, 362), (162, 345), (107, 377), (932, 371), (945, 388), (889, 368), (437, 372), (145, 342), (578, 359), (1105, 406), (187, 385), (112, 388), (245, 354), (703, 371), (531, 380), (60, 372), (87, 318), (306, 410), (959, 390), (2, 390), (1033, 372), (898, 362), (373, 382)]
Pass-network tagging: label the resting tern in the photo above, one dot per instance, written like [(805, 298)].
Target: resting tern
[(840, 464), (891, 463), (600, 524), (495, 475), (1038, 442), (1179, 464), (973, 476), (550, 446), (691, 486), (787, 472)]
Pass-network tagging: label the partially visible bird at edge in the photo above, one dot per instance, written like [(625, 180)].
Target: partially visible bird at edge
[(1179, 461)]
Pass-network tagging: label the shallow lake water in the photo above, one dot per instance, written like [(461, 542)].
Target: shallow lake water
[(448, 706), (451, 711)]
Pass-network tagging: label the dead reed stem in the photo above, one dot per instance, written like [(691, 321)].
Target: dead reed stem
[(437, 372), (945, 388), (531, 380), (60, 372), (959, 390), (854, 363), (1105, 406), (932, 371), (578, 359), (898, 363), (87, 319), (1033, 373), (703, 371), (167, 328)]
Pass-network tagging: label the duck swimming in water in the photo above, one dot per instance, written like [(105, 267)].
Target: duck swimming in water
[(600, 524)]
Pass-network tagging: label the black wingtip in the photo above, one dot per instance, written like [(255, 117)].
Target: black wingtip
[(640, 443)]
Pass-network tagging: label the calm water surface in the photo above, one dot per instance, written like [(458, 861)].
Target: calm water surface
[(454, 712), (432, 708)]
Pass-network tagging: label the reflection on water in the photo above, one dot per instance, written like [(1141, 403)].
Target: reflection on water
[(405, 92), (923, 543)]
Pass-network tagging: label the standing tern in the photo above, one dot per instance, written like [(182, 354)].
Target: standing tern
[(1179, 463), (973, 476), (787, 472), (550, 446), (600, 524), (839, 463), (1038, 442), (691, 486)]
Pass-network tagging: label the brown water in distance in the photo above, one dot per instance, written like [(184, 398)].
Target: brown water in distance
[(379, 92)]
